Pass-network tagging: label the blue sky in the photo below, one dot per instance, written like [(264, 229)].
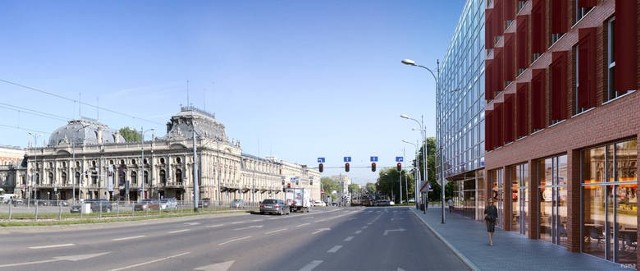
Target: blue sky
[(293, 79)]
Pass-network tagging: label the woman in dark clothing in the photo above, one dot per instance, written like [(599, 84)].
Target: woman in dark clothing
[(490, 217)]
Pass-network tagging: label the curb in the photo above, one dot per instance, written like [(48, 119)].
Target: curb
[(455, 251)]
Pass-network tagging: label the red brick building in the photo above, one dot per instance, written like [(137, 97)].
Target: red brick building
[(563, 122)]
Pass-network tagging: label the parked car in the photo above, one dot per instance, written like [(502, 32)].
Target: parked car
[(168, 203), (319, 203), (237, 203), (97, 205), (204, 203), (274, 206), (75, 208), (145, 204)]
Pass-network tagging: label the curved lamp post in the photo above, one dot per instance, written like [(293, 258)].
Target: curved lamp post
[(438, 118), (425, 177), (417, 172)]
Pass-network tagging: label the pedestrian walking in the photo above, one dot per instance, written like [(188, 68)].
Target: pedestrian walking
[(490, 217), (450, 203)]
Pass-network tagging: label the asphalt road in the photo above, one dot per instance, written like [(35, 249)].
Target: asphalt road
[(376, 238)]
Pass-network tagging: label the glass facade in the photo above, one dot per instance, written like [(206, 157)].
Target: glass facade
[(460, 116), (519, 177), (461, 94), (610, 205)]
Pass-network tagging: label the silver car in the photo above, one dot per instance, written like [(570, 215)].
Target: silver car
[(274, 206)]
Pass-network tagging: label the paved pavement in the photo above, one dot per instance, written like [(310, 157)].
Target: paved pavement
[(510, 250)]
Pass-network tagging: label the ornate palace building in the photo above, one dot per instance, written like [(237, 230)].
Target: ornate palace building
[(87, 159)]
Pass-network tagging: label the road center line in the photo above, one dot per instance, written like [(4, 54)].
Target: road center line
[(348, 239), (358, 231), (302, 225), (334, 249), (128, 238), (178, 231), (150, 262), (52, 246), (215, 226), (233, 240), (310, 266)]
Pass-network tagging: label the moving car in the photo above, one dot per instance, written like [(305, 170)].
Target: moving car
[(76, 208), (274, 206), (319, 203)]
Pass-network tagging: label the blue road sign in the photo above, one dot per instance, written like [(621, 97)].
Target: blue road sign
[(320, 159), (347, 159), (399, 159), (374, 158)]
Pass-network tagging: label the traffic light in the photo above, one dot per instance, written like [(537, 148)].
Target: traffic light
[(399, 166), (373, 167), (346, 167), (321, 167)]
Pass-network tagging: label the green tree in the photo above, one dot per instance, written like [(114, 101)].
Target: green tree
[(370, 188), (130, 135), (329, 185), (388, 185), (354, 188)]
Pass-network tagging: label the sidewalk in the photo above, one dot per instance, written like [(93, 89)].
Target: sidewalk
[(510, 251)]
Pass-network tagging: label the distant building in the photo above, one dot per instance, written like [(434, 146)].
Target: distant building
[(94, 161), (11, 169)]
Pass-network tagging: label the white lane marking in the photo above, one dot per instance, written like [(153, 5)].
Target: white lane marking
[(128, 238), (321, 230), (192, 223), (272, 232), (52, 246), (178, 231), (248, 227), (388, 231), (348, 239), (215, 226), (73, 258), (257, 220), (238, 222), (364, 227), (216, 266), (358, 231), (150, 262), (310, 266), (234, 240), (334, 249), (302, 225)]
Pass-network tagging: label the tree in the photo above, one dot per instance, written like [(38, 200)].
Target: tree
[(354, 188), (130, 135), (388, 185), (329, 185), (370, 188)]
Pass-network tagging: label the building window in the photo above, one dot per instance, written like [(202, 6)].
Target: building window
[(611, 61), (552, 198), (609, 189), (584, 71), (558, 84)]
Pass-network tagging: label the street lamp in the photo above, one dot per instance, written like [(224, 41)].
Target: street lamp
[(417, 172), (439, 119), (425, 178), (142, 131)]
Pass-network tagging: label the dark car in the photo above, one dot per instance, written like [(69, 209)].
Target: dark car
[(274, 206), (98, 205), (76, 208)]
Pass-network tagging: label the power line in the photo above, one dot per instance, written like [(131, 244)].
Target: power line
[(41, 91)]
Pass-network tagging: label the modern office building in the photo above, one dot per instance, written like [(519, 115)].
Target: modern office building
[(85, 159), (461, 107), (563, 121)]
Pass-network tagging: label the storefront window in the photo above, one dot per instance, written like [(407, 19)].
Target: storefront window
[(552, 197), (610, 182)]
